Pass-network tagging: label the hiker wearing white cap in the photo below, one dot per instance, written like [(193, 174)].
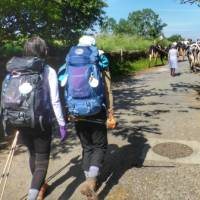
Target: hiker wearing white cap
[(91, 129)]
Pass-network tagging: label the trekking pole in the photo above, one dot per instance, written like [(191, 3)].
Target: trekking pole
[(8, 164), (7, 161), (92, 121)]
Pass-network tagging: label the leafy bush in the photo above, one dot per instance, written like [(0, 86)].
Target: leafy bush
[(11, 48)]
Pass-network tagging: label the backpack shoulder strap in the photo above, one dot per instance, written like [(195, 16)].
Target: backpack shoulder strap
[(62, 74), (94, 55)]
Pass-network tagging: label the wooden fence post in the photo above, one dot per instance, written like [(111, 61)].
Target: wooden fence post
[(121, 55)]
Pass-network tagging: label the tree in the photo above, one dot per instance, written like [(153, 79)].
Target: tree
[(191, 1), (55, 19), (123, 27), (175, 38), (146, 23), (108, 25)]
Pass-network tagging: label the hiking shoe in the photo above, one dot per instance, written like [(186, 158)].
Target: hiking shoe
[(42, 191), (88, 188)]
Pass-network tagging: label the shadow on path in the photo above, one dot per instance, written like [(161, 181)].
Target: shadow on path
[(118, 160), (73, 172), (121, 159)]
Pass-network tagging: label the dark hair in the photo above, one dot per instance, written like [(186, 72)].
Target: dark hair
[(35, 46)]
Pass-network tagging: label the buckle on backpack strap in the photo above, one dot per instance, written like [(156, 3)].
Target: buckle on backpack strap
[(16, 74), (21, 115), (72, 118)]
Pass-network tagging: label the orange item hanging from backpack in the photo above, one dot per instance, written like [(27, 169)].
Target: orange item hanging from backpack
[(111, 122)]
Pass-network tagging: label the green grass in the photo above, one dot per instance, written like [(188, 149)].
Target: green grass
[(135, 66), (139, 65), (115, 43), (112, 43), (144, 64)]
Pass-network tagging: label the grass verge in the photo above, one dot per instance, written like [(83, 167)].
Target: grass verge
[(135, 66)]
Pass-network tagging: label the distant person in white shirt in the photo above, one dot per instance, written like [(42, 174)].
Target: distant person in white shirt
[(173, 59)]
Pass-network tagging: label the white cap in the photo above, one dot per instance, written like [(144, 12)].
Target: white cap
[(87, 40), (101, 52), (174, 44)]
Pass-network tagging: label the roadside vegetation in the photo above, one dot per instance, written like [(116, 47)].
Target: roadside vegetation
[(131, 67), (116, 43), (126, 44), (61, 29), (109, 43)]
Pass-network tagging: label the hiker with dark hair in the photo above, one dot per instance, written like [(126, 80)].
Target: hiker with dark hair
[(83, 76), (38, 93)]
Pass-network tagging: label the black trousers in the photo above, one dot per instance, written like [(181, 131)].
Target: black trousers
[(38, 143), (93, 138)]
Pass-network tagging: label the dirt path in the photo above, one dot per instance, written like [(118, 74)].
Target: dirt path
[(154, 154)]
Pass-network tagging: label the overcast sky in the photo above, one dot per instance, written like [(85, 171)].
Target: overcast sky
[(181, 19)]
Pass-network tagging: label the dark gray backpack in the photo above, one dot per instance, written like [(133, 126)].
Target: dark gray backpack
[(25, 100)]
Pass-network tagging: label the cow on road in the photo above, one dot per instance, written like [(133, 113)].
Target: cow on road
[(157, 52)]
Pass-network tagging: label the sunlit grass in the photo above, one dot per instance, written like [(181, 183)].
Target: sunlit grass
[(135, 66), (115, 43), (126, 43), (144, 64)]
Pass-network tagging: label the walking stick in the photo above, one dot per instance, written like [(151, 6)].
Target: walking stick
[(8, 164)]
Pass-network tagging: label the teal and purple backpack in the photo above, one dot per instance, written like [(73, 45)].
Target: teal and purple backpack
[(84, 87)]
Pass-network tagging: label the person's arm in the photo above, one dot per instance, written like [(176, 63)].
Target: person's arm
[(168, 55), (54, 95), (109, 96), (111, 121), (104, 66)]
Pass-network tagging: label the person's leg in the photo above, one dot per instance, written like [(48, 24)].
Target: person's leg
[(171, 70), (41, 166), (42, 148), (39, 150), (27, 140), (32, 161), (100, 142), (93, 138), (98, 137), (174, 72), (83, 132)]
